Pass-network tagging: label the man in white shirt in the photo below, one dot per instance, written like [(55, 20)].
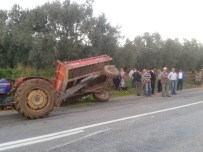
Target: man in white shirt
[(181, 78), (131, 76), (172, 76)]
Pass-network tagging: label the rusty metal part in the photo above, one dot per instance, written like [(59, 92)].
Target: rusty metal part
[(37, 99), (79, 86)]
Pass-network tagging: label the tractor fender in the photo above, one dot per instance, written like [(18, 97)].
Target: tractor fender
[(19, 81)]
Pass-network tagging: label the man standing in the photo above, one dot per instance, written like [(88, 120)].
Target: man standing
[(138, 81), (131, 76), (181, 77), (122, 82), (172, 76), (153, 79), (159, 80), (147, 82), (164, 82)]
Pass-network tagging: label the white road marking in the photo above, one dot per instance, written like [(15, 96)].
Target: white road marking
[(95, 133), (34, 140), (87, 136)]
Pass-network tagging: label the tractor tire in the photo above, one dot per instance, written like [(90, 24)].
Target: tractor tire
[(111, 71), (34, 98), (102, 96), (14, 107)]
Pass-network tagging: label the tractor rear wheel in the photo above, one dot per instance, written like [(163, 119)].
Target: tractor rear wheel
[(102, 96), (34, 98)]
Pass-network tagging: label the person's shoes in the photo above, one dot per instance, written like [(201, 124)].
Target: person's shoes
[(175, 93), (163, 96), (168, 96), (138, 94)]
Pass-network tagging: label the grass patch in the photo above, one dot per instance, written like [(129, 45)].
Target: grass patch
[(21, 71), (188, 84), (85, 101), (114, 93)]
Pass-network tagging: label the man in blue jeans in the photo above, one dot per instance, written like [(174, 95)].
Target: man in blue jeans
[(181, 78), (172, 76), (147, 82)]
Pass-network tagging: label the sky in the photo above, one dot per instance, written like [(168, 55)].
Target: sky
[(170, 18)]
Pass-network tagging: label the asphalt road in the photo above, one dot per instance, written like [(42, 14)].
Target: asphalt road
[(125, 124)]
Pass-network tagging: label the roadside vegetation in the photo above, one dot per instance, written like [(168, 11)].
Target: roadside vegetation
[(23, 71)]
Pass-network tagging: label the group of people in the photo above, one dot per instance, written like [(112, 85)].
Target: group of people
[(147, 79)]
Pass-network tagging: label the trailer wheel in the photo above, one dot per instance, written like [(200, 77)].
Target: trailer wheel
[(102, 96), (111, 71), (34, 98)]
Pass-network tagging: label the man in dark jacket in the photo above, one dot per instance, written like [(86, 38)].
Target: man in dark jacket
[(116, 82), (153, 79), (138, 81)]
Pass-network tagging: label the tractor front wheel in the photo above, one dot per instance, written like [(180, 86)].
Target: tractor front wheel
[(102, 96), (34, 98)]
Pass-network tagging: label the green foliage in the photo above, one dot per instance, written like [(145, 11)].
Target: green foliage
[(150, 51), (21, 71), (68, 31), (48, 73), (188, 84), (5, 73)]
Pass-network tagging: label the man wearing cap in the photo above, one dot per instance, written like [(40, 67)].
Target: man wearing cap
[(172, 76), (164, 82)]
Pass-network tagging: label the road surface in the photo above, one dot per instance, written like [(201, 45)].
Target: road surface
[(125, 124)]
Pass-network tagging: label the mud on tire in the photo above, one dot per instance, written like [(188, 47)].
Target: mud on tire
[(102, 96), (111, 71), (34, 98)]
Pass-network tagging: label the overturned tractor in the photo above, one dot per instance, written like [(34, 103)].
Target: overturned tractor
[(35, 97)]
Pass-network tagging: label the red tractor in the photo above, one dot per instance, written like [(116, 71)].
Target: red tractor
[(35, 97)]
